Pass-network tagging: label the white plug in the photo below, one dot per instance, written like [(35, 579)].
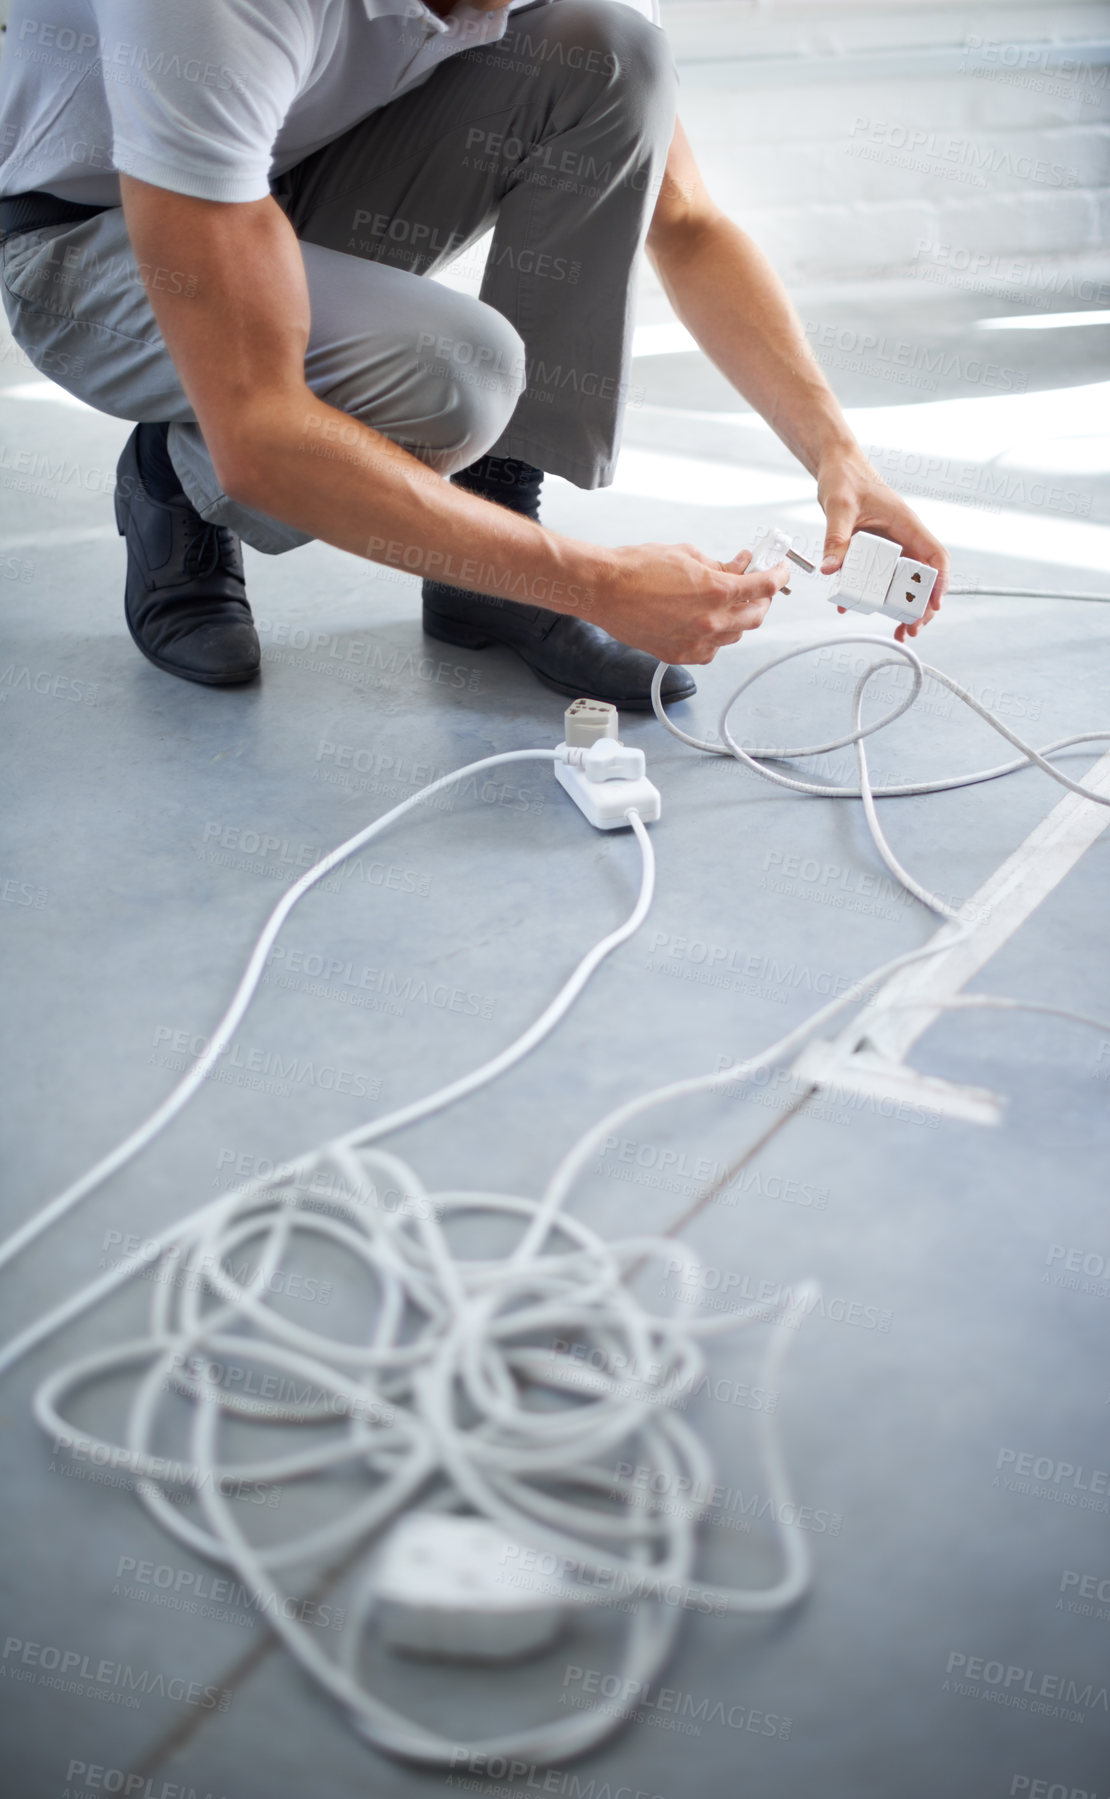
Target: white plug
[(606, 779), (444, 1586), (876, 577), (772, 548), (608, 760), (775, 547)]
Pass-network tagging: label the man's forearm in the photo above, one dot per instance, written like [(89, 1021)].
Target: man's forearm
[(723, 288), (323, 472), (727, 294)]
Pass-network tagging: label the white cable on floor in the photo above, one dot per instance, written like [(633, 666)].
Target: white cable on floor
[(895, 652), (44, 1327), (443, 1400), (579, 1154), (755, 759), (252, 974), (1029, 593), (394, 1401)]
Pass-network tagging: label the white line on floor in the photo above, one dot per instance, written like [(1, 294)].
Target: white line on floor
[(1012, 894), (1004, 902)]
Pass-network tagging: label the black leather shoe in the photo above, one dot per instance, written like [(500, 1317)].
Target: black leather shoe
[(186, 601), (566, 654)]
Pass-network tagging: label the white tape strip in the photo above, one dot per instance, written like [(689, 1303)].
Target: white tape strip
[(874, 1077), (1004, 902)]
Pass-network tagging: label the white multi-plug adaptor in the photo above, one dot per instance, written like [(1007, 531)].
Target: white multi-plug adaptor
[(452, 1586), (874, 576), (605, 778)]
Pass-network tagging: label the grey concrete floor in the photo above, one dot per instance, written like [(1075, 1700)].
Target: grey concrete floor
[(149, 827)]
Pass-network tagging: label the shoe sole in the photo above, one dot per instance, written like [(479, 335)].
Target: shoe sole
[(446, 630), (123, 519)]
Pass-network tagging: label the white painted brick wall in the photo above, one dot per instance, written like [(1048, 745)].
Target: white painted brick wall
[(783, 156), (819, 168)]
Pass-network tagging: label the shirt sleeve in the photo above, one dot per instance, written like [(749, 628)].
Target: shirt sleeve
[(198, 89)]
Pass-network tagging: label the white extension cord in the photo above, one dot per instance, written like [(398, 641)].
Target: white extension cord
[(449, 1405), (449, 1334)]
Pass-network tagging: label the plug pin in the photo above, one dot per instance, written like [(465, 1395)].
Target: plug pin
[(801, 561)]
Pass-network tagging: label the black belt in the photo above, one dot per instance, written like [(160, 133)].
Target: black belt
[(31, 212)]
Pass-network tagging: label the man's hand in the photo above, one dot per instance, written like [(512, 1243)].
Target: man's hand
[(854, 497), (679, 604)]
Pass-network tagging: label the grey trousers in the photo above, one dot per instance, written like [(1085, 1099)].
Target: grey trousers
[(556, 135)]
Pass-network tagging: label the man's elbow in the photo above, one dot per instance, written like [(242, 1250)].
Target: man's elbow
[(674, 235), (242, 478), (243, 459), (262, 441)]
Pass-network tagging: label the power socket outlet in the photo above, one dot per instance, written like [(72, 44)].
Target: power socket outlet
[(584, 721), (910, 591)]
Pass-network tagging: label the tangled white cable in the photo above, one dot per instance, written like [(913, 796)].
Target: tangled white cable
[(445, 1395), (895, 655)]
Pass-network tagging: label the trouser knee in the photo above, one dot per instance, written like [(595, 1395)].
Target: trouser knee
[(608, 38), (474, 367)]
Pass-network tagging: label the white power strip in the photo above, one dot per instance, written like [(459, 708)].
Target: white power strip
[(443, 1586), (605, 778)]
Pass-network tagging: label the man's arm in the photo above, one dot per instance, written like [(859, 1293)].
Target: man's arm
[(725, 291), (238, 337)]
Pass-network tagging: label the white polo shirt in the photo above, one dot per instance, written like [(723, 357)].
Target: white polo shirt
[(208, 97)]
